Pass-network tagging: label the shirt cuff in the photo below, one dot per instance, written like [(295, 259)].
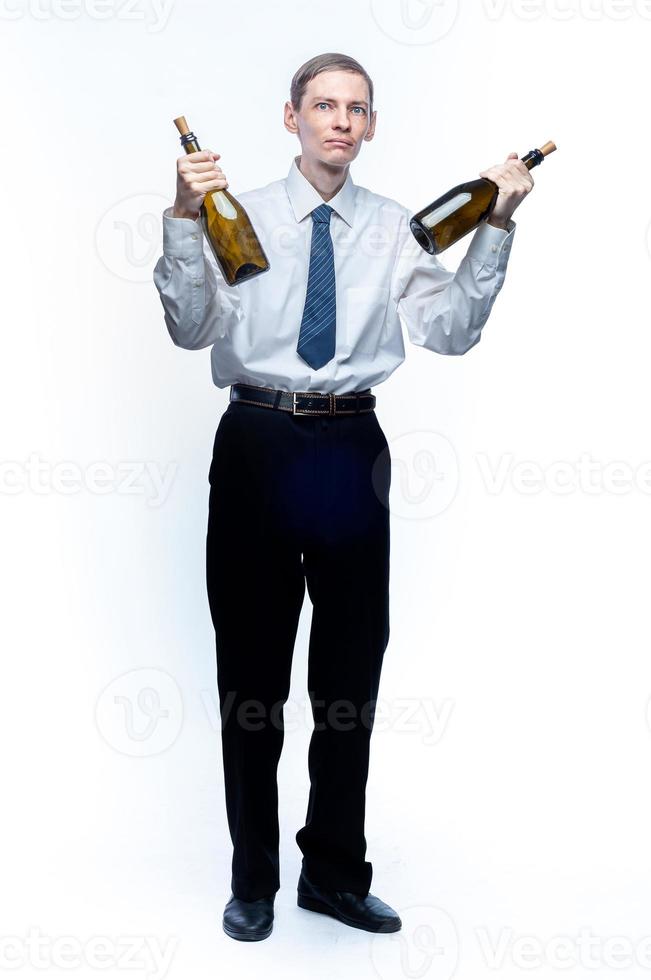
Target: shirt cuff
[(491, 245), (182, 237)]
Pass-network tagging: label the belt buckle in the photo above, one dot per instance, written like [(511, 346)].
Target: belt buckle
[(330, 410)]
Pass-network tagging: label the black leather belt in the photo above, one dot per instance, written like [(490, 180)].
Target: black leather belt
[(305, 402)]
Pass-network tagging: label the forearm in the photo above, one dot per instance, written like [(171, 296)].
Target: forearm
[(196, 314), (446, 311)]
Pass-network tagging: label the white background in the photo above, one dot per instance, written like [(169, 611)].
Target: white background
[(511, 805)]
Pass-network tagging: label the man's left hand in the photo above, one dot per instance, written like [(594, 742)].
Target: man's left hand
[(514, 181)]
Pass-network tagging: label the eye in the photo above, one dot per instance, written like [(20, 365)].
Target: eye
[(361, 108)]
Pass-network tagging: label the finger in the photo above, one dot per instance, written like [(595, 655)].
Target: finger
[(515, 178), (209, 185), (508, 177), (520, 190), (504, 184), (511, 158), (512, 166), (209, 175), (524, 180), (492, 173), (518, 168), (198, 155), (198, 168), (497, 168)]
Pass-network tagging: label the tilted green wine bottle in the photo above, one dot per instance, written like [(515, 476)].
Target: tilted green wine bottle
[(227, 226), (463, 208)]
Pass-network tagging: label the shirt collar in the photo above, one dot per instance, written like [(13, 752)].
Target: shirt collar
[(304, 197)]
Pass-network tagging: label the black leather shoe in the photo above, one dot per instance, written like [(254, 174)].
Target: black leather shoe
[(249, 920), (360, 911)]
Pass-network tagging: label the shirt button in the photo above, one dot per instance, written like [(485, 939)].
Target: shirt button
[(198, 282), (493, 248), (194, 237)]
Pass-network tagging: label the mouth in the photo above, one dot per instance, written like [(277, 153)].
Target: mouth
[(339, 142)]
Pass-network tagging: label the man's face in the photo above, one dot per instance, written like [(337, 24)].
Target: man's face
[(334, 117)]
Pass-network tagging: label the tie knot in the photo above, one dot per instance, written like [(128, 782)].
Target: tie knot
[(322, 214)]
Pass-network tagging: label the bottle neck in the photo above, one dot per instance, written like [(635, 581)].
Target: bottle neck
[(532, 159), (190, 143)]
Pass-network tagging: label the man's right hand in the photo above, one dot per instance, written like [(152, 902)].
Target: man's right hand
[(196, 174)]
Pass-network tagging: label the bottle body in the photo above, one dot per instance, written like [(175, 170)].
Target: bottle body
[(461, 209), (229, 232)]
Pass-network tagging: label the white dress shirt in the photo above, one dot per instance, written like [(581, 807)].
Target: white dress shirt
[(383, 277)]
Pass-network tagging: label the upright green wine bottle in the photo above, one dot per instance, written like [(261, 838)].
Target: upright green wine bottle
[(463, 208), (227, 226)]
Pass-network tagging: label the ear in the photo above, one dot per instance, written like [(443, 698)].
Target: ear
[(371, 126), (290, 118)]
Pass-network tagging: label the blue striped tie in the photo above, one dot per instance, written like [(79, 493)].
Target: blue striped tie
[(316, 340)]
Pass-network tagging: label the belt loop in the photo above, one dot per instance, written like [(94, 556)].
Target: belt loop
[(357, 403), (277, 398)]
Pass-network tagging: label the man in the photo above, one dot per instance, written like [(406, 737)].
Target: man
[(301, 469)]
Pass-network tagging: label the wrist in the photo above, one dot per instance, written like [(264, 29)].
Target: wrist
[(497, 223), (182, 213)]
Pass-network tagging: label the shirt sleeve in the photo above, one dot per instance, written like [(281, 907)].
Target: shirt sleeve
[(445, 311), (199, 306)]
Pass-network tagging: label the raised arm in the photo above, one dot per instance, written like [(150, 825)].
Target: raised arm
[(199, 306), (445, 311)]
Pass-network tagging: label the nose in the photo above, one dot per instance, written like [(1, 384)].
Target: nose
[(341, 120)]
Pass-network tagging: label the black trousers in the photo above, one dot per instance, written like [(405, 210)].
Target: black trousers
[(296, 499)]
